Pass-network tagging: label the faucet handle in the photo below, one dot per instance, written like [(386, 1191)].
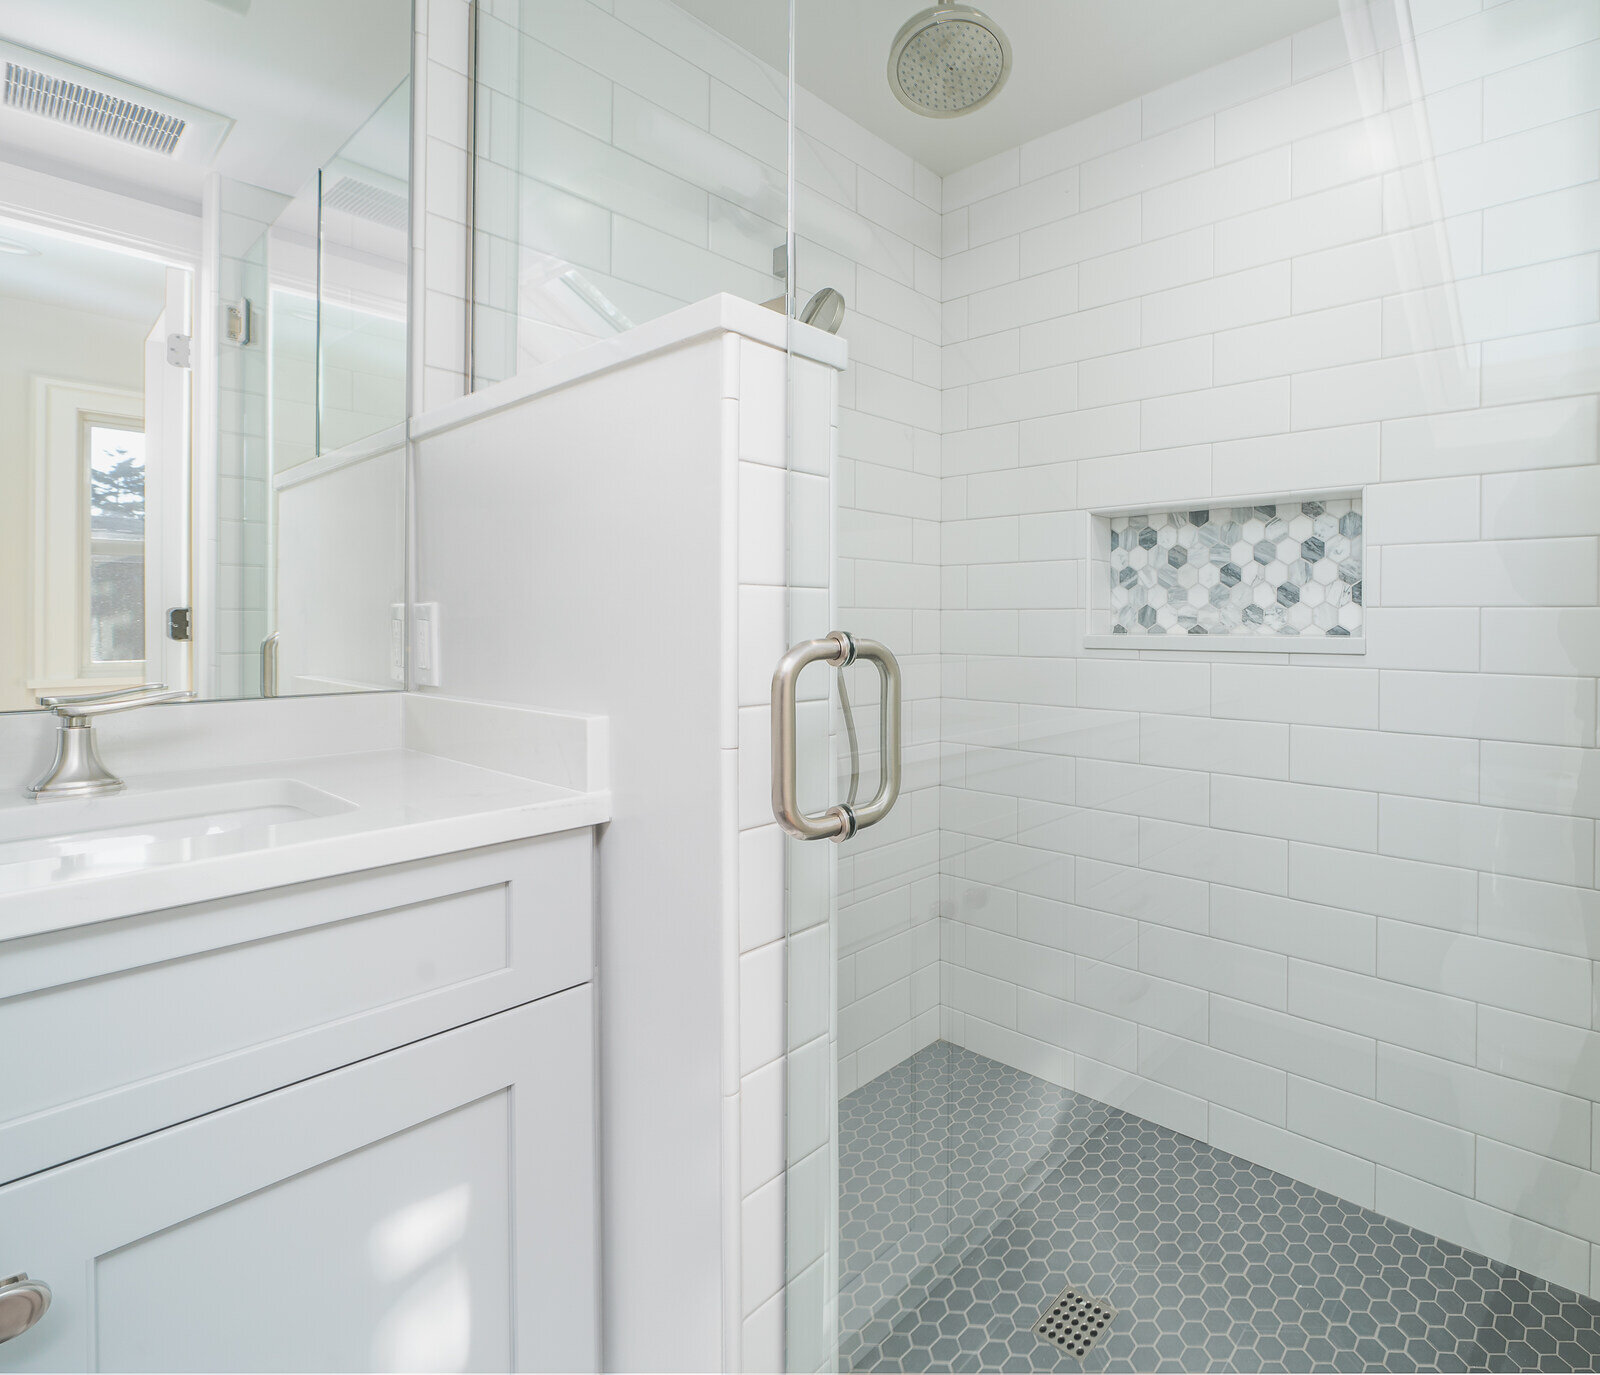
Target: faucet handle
[(110, 695), (71, 711), (78, 770)]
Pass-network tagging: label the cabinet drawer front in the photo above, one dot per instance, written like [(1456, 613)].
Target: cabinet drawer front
[(136, 1024), (431, 1208)]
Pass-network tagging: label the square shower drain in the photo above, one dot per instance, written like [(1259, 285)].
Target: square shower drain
[(1073, 1322)]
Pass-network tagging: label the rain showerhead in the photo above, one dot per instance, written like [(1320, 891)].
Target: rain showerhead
[(949, 61)]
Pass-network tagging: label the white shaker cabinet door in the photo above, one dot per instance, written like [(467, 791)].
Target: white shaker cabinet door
[(431, 1208)]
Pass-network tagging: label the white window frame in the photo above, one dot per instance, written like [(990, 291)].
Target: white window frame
[(89, 546), (63, 412)]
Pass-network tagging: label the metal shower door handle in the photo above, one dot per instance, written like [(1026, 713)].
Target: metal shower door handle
[(838, 648)]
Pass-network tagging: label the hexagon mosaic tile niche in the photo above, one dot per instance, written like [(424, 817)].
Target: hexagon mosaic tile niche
[(1292, 568)]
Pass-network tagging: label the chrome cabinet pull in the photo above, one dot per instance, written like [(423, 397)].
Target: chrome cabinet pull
[(22, 1303), (838, 649)]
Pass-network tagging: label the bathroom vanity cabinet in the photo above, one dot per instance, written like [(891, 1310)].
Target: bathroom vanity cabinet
[(343, 1125)]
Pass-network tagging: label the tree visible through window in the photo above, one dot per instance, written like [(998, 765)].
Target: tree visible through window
[(116, 544)]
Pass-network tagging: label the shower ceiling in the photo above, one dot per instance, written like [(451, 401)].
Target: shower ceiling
[(1072, 59)]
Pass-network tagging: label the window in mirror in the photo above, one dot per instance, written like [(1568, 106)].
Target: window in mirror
[(115, 579)]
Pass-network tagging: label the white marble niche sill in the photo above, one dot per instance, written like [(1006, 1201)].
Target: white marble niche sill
[(1232, 644)]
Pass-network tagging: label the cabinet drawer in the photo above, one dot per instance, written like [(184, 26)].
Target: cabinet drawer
[(432, 1208), (135, 1024)]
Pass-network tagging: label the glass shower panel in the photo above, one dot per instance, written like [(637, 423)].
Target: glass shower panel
[(866, 236), (1218, 448), (364, 205), (628, 160)]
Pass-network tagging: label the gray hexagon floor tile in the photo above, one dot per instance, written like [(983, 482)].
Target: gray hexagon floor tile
[(973, 1193)]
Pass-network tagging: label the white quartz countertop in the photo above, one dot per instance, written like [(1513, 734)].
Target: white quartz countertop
[(288, 822)]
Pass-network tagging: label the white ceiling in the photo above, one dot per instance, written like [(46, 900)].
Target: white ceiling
[(297, 77), (1071, 58), (62, 271)]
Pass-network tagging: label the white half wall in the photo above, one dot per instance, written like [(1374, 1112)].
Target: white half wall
[(607, 536), (341, 567)]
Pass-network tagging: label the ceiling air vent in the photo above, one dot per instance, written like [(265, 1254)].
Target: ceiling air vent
[(367, 202), (84, 107), (75, 97)]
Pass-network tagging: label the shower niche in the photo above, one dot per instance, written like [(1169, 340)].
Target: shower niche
[(1262, 574)]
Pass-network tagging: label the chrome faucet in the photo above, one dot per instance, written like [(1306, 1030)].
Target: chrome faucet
[(78, 770)]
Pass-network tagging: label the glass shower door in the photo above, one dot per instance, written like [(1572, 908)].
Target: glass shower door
[(862, 911), (839, 749), (1217, 449)]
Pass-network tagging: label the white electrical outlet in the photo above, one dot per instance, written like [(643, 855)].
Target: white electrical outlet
[(425, 644)]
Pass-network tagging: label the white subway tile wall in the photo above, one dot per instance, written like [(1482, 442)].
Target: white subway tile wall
[(243, 461), (631, 160), (1338, 915), (438, 205)]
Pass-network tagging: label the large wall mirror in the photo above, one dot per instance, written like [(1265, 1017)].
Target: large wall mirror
[(204, 264)]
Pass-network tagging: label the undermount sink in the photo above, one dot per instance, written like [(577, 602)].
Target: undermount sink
[(137, 828)]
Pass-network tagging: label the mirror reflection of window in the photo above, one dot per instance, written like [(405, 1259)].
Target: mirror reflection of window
[(203, 359), (116, 545)]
